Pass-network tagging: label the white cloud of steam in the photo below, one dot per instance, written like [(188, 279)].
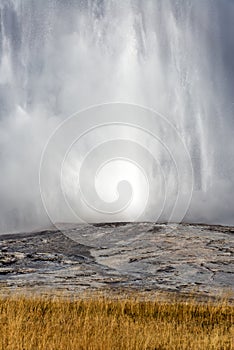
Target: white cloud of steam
[(59, 57)]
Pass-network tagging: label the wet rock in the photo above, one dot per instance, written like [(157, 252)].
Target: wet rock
[(139, 256)]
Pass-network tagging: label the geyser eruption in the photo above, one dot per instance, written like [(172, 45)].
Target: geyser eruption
[(152, 179), (160, 74)]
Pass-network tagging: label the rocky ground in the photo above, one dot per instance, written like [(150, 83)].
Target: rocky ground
[(142, 256)]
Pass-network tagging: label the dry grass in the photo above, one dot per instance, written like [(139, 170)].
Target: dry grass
[(104, 323)]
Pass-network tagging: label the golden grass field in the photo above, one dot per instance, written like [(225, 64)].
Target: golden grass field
[(114, 323)]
